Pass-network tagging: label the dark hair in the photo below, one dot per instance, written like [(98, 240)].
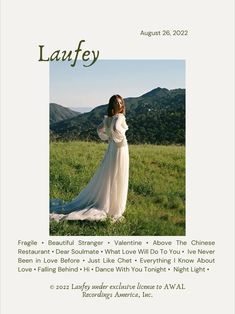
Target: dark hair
[(116, 105)]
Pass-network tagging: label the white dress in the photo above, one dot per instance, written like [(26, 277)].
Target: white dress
[(106, 193)]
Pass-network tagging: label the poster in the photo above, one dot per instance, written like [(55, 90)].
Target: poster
[(172, 62)]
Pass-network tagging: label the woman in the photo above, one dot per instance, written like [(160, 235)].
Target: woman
[(106, 193)]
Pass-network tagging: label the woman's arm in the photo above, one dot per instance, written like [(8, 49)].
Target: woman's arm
[(101, 131)]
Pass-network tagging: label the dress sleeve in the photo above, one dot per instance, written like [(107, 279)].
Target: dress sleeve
[(101, 130), (119, 129)]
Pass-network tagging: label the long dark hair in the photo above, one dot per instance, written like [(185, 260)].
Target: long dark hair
[(116, 105)]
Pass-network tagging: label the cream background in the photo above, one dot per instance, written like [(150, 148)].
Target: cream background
[(113, 28)]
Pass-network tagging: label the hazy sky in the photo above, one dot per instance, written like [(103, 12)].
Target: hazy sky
[(92, 86)]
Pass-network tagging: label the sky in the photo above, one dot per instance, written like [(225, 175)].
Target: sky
[(92, 86)]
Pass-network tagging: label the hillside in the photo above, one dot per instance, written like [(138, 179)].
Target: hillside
[(156, 117), (59, 113), (156, 194)]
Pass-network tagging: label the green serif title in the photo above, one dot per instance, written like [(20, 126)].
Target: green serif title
[(89, 57)]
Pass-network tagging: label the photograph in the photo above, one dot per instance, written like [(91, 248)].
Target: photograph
[(117, 148)]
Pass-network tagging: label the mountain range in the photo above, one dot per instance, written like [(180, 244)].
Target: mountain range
[(59, 113), (156, 117)]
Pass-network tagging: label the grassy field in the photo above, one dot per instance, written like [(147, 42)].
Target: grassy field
[(156, 195)]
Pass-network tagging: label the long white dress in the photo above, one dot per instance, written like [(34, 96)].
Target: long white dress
[(106, 193)]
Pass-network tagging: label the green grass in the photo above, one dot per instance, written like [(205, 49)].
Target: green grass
[(156, 195)]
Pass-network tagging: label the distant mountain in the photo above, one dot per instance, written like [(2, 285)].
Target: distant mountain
[(156, 117), (82, 109), (59, 113)]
